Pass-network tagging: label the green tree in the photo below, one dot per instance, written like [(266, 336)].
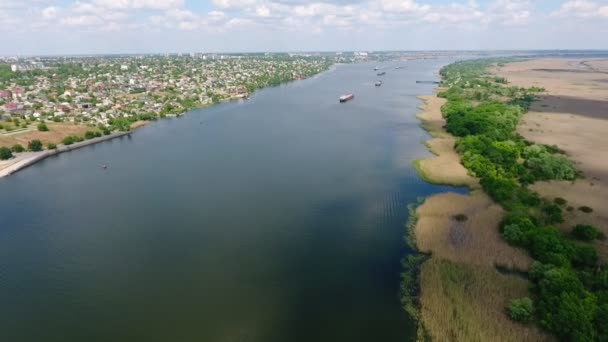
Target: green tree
[(69, 140), (521, 310), (586, 232), (5, 153), (35, 145), (17, 148), (89, 135), (42, 127)]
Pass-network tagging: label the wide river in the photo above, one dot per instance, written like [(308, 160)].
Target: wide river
[(278, 219)]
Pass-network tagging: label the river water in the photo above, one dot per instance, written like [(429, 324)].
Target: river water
[(279, 219)]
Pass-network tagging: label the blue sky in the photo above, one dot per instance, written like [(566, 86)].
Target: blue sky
[(142, 26)]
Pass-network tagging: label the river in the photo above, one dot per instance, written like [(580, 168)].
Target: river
[(278, 219)]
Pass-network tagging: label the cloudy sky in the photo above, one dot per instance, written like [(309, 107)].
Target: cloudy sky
[(141, 26)]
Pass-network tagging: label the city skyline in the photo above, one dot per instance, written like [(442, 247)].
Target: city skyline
[(46, 27)]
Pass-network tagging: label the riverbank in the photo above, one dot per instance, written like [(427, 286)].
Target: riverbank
[(26, 159), (462, 294)]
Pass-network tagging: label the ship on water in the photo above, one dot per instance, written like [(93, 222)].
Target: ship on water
[(378, 83), (382, 73), (346, 97)]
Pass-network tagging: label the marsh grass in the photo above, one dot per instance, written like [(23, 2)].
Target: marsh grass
[(475, 241), (461, 302)]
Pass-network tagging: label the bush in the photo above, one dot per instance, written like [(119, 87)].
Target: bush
[(460, 217), (553, 213), (35, 145), (97, 134), (559, 201), (89, 135), (546, 166), (42, 127), (51, 146), (521, 310), (585, 209), (17, 148), (69, 140), (584, 256), (5, 153), (586, 232), (107, 132)]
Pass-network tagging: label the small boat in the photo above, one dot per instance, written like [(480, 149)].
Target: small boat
[(376, 69), (382, 73), (346, 97), (378, 83), (104, 166)]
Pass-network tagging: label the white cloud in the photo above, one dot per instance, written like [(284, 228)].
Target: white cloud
[(81, 20), (234, 4), (581, 9), (216, 15), (140, 4), (50, 12)]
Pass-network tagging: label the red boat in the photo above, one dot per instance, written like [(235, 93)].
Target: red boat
[(346, 97)]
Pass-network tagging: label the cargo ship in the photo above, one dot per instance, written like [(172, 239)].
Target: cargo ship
[(378, 83), (346, 97), (382, 73)]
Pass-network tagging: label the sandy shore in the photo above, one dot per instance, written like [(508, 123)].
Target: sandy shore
[(462, 293), (572, 114), (23, 160)]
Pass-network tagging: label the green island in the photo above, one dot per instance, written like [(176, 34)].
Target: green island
[(568, 297)]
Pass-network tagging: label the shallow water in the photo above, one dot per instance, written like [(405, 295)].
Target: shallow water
[(280, 218)]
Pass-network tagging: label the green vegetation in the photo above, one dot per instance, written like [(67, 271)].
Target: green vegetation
[(410, 285), (89, 135), (42, 127), (17, 148), (521, 310), (586, 232), (34, 145), (69, 140), (5, 153), (51, 146), (570, 293), (586, 209)]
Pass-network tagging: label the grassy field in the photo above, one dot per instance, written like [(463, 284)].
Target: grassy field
[(55, 134)]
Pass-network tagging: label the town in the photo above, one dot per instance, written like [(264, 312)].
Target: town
[(111, 93)]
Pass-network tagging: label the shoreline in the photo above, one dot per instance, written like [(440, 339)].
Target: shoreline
[(34, 157)]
